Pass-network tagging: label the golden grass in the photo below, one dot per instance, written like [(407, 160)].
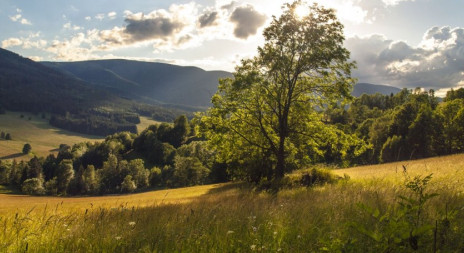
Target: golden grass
[(145, 122), (448, 172), (12, 202)]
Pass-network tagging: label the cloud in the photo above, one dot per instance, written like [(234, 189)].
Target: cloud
[(112, 15), (436, 63), (247, 21), (69, 26), (11, 42), (100, 16), (165, 29), (208, 19), (19, 18), (151, 28), (88, 18), (394, 2)]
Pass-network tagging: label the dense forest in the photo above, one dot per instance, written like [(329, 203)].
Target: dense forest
[(165, 155)]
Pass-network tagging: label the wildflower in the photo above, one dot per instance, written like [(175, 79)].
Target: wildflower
[(132, 223), (275, 233), (254, 229), (230, 232), (118, 238), (253, 247)]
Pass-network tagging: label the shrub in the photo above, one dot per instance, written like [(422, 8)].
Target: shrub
[(27, 148), (128, 185), (310, 177), (33, 186)]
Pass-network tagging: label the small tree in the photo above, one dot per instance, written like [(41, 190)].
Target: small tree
[(128, 185), (33, 186), (27, 148), (8, 136), (2, 135)]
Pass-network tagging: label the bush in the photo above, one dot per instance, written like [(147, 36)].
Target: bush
[(128, 185), (27, 148), (309, 177), (33, 186)]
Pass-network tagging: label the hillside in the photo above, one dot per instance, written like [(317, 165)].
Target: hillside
[(76, 105), (367, 88), (165, 83), (148, 81), (29, 86)]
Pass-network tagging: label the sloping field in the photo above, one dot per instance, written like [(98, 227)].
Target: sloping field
[(36, 131), (43, 137), (448, 172), (15, 202)]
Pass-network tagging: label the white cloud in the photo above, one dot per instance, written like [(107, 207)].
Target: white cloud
[(436, 63), (69, 26), (35, 58), (100, 16), (19, 18), (394, 2), (88, 18), (11, 42), (112, 15)]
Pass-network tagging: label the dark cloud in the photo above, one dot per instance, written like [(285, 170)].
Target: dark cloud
[(151, 28), (208, 19), (247, 21), (436, 63)]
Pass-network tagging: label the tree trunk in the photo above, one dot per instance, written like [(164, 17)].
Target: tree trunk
[(280, 166)]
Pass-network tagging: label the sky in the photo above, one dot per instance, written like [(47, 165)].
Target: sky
[(402, 43)]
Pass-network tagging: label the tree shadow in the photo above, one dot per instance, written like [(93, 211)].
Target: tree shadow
[(228, 187), (12, 156)]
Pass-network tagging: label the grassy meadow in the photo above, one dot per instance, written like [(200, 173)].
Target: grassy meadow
[(362, 214), (43, 137)]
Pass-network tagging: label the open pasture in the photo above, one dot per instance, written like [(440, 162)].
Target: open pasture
[(236, 218)]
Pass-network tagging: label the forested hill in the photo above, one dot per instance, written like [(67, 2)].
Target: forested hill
[(148, 81), (78, 106), (166, 83), (370, 89), (29, 86)]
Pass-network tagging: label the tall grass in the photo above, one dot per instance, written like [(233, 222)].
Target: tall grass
[(235, 218)]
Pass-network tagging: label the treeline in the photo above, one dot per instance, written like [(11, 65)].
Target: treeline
[(97, 122), (163, 155), (411, 124)]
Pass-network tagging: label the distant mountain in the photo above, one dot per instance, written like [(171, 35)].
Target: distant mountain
[(30, 86), (148, 81), (367, 88), (76, 105)]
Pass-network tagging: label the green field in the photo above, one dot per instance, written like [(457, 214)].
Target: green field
[(236, 218), (43, 138)]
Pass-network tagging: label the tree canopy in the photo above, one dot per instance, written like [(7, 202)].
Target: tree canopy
[(266, 119)]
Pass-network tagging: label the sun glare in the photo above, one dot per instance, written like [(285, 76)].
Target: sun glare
[(301, 11)]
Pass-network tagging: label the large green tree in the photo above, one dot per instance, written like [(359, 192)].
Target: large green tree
[(267, 117)]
